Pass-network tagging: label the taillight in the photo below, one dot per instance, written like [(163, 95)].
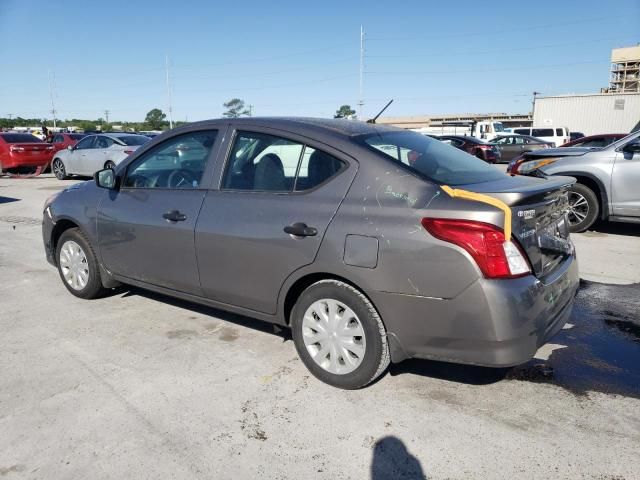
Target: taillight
[(496, 257), (14, 148)]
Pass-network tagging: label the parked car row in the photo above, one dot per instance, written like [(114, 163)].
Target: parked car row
[(68, 153), (94, 152)]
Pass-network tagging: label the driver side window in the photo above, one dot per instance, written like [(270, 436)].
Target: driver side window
[(85, 143), (177, 163)]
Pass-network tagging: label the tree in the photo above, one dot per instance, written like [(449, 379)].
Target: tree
[(155, 119), (235, 108), (345, 111)]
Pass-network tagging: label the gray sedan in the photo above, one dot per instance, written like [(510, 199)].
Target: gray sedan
[(512, 146), (371, 243)]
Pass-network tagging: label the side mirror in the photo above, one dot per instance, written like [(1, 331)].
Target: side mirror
[(632, 147), (106, 179), (70, 147)]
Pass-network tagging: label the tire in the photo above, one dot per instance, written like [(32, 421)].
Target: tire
[(109, 164), (362, 358), (584, 208), (74, 255), (58, 169)]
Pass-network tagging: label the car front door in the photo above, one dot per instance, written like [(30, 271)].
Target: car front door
[(277, 195), (78, 153), (146, 227), (625, 181), (94, 158)]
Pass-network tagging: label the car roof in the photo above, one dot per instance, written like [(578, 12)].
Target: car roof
[(330, 126)]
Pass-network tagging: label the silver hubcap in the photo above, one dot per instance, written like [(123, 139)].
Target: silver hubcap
[(578, 208), (58, 168), (334, 336), (74, 265)]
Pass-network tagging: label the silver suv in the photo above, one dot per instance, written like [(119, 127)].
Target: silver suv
[(608, 179)]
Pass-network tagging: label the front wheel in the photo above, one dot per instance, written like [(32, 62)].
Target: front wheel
[(583, 208), (78, 266), (339, 335), (110, 164), (58, 169)]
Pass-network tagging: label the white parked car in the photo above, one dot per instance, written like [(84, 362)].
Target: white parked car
[(95, 152), (556, 135)]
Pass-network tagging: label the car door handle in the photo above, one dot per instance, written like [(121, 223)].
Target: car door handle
[(174, 216), (300, 229)]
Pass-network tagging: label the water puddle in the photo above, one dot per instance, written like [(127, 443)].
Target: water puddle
[(602, 349)]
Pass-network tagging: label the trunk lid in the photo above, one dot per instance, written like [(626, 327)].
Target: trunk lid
[(538, 220), (30, 149)]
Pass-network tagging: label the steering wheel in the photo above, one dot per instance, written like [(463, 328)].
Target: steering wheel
[(181, 178), (138, 181)]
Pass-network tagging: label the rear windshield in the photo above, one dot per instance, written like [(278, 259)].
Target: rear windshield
[(430, 158), (133, 139), (20, 138)]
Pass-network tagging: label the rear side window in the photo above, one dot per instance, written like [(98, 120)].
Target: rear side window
[(430, 158), (20, 138), (522, 131), (542, 132), (103, 142), (267, 163), (133, 139), (559, 132)]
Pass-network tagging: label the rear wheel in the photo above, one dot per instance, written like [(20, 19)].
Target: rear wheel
[(583, 208), (58, 169), (339, 335), (78, 266)]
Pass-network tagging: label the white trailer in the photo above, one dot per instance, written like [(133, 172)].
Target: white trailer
[(485, 129), (589, 114)]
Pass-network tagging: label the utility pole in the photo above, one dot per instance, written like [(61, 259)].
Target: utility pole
[(361, 100), (53, 107), (251, 110), (10, 115), (169, 93), (533, 102), (106, 116)]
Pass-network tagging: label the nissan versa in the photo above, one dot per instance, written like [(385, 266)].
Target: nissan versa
[(371, 243)]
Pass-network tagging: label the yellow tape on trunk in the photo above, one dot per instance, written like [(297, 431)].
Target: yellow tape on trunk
[(479, 197)]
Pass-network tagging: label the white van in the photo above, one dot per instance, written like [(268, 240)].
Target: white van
[(556, 135)]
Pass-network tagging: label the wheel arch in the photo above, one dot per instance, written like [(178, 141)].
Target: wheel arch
[(61, 226), (595, 184), (302, 283)]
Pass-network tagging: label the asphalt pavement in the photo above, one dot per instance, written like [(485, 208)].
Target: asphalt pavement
[(137, 385)]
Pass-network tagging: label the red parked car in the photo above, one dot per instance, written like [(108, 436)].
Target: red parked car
[(476, 147), (595, 141), (21, 152), (60, 141)]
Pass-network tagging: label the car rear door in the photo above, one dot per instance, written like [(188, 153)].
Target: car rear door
[(274, 182), (146, 228)]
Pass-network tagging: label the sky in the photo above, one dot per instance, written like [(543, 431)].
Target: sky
[(302, 58)]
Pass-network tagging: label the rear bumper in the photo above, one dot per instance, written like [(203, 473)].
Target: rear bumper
[(13, 161), (495, 323)]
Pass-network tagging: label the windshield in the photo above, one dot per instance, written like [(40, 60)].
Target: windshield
[(20, 138), (497, 126), (430, 158), (133, 139)]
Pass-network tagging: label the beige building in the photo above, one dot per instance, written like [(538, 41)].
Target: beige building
[(625, 70), (420, 121)]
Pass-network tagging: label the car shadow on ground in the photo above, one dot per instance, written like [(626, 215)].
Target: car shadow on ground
[(615, 228), (600, 351), (240, 320)]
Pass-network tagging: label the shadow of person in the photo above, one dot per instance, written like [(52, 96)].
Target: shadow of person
[(391, 460)]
